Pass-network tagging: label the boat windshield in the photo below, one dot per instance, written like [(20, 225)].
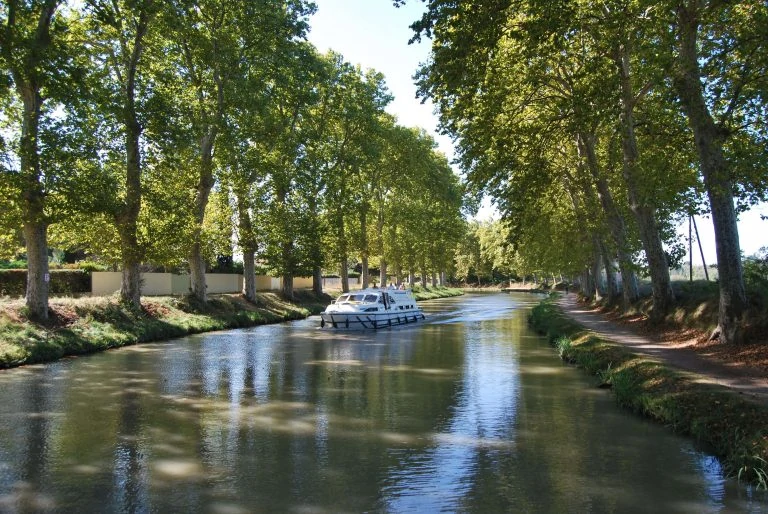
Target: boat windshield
[(371, 298), (356, 297), (343, 298)]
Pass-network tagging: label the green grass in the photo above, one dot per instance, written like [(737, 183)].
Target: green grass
[(431, 293), (88, 325), (734, 428)]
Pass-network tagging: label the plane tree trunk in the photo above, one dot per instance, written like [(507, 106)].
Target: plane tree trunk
[(365, 278), (24, 59), (709, 139), (639, 203), (247, 245), (127, 216), (33, 207), (613, 218)]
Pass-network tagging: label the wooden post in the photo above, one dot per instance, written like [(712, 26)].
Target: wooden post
[(690, 250)]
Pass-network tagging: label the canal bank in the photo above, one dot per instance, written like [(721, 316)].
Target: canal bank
[(732, 424), (91, 324)]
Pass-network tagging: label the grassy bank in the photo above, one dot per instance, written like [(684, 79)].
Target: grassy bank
[(432, 293), (86, 325), (733, 428)]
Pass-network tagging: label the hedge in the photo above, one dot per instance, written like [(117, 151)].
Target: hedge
[(13, 282)]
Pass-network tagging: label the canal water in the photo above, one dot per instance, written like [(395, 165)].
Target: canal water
[(469, 411)]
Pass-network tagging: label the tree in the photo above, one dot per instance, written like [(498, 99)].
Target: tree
[(28, 56), (211, 39), (120, 31), (492, 62), (718, 97)]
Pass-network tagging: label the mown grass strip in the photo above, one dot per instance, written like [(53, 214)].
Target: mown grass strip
[(735, 428)]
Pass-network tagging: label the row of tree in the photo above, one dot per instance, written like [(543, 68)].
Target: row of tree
[(148, 131), (595, 124)]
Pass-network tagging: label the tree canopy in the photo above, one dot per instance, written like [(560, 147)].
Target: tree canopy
[(610, 118), (167, 135)]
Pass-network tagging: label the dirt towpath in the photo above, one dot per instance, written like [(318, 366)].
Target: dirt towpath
[(743, 380)]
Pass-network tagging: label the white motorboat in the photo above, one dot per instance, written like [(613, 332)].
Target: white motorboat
[(372, 308)]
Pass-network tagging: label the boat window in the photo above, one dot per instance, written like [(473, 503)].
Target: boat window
[(370, 298), (343, 298), (356, 297), (390, 299)]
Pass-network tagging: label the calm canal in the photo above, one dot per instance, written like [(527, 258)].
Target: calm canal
[(467, 412)]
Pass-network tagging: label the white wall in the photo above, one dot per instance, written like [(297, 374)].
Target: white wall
[(105, 283)]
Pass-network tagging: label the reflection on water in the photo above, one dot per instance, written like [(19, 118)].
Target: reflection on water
[(467, 412)]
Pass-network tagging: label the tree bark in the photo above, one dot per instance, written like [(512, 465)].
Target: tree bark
[(380, 234), (205, 178), (127, 218), (365, 278), (247, 244), (128, 215), (597, 286), (26, 67), (202, 194), (383, 272), (287, 289), (249, 275), (286, 245), (611, 281), (344, 274), (343, 259), (37, 270), (317, 280), (709, 139), (639, 204), (33, 207), (613, 217), (587, 283)]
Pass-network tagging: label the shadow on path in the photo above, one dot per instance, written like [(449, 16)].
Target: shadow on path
[(742, 380)]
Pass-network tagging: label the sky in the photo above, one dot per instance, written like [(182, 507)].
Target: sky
[(375, 34)]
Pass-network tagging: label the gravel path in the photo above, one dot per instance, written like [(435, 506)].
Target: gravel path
[(742, 380)]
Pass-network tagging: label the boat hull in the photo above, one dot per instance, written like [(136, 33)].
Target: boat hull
[(369, 320)]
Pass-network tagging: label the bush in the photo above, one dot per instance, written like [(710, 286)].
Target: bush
[(90, 266), (17, 264), (67, 282), (13, 282), (63, 282), (756, 277)]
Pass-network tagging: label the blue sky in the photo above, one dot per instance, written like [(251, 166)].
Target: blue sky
[(375, 34)]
